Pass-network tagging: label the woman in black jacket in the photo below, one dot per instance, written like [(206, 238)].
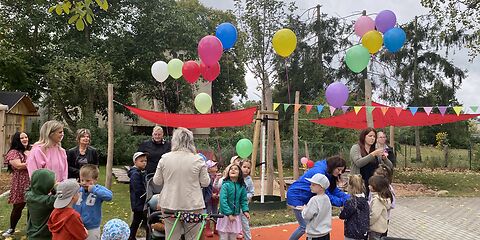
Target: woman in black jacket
[(81, 154)]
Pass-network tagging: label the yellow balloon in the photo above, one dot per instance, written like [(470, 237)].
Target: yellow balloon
[(373, 41), (284, 42)]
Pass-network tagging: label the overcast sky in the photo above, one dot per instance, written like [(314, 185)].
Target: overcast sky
[(405, 11)]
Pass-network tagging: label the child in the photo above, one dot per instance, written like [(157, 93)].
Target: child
[(318, 211), (246, 166), (386, 172), (233, 199), (379, 205), (115, 229), (40, 203), (211, 199), (65, 222), (89, 205), (138, 193), (356, 210)]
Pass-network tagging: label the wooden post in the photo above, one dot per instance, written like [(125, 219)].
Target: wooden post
[(368, 101), (295, 137), (306, 150), (3, 112), (279, 159), (256, 136), (108, 179)]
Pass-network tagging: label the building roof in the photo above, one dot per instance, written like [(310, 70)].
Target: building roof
[(11, 99)]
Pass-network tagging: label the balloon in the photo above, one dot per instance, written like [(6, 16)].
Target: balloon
[(210, 49), (373, 41), (310, 164), (337, 94), (284, 42), (203, 102), (357, 58), (304, 160), (394, 39), (175, 68), (363, 25), (385, 20), (244, 148), (210, 73), (191, 71), (160, 71), (227, 33)]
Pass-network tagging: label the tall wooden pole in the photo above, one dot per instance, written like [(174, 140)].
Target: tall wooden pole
[(368, 92), (108, 179), (3, 112), (256, 135), (279, 160), (295, 137)]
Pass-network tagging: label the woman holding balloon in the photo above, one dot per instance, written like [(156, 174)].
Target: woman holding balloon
[(299, 193)]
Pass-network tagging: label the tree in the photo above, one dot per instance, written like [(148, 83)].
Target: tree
[(81, 11)]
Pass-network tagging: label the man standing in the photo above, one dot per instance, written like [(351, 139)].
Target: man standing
[(155, 148)]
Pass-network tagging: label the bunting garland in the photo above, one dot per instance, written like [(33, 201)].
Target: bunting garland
[(332, 110), (413, 110), (428, 110), (357, 109), (308, 108)]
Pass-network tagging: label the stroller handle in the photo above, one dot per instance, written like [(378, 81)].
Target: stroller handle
[(174, 213)]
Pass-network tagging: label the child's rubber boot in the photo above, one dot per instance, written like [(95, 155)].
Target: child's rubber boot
[(208, 231)]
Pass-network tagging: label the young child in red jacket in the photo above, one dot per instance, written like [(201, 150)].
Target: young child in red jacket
[(65, 222)]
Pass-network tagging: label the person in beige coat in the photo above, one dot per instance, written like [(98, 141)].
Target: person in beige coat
[(380, 203), (182, 173)]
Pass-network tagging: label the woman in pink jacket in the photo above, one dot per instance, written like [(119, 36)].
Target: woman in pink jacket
[(48, 152)]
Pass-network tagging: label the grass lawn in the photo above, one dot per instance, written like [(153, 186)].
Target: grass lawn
[(434, 158)]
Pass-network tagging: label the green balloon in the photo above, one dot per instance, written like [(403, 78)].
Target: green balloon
[(357, 58), (175, 68), (203, 102), (244, 148)]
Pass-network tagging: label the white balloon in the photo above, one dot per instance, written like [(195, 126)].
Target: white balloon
[(160, 71)]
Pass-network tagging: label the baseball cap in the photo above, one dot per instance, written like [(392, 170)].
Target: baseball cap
[(115, 229), (233, 159), (138, 154), (319, 179), (65, 192), (211, 164)]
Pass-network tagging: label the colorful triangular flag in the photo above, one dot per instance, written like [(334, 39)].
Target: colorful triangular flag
[(428, 110), (319, 108), (357, 109), (308, 108), (275, 106), (345, 108), (413, 110), (442, 109), (297, 107), (458, 109), (370, 109), (398, 110), (474, 109), (332, 110), (285, 106), (384, 110)]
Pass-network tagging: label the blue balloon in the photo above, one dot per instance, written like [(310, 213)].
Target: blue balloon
[(227, 33), (394, 39)]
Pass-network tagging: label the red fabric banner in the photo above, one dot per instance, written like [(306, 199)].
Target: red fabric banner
[(224, 119), (394, 116)]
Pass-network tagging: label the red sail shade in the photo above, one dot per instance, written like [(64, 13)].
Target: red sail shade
[(224, 119), (404, 119)]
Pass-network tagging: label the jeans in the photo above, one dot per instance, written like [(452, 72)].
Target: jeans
[(247, 235), (301, 229)]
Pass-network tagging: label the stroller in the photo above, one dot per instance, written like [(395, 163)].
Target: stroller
[(153, 215)]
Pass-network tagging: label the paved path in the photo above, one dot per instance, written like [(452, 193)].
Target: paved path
[(436, 218)]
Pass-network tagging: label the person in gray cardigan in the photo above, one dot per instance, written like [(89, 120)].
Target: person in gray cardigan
[(365, 158)]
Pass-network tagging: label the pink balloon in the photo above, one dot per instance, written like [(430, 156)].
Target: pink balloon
[(304, 160), (210, 50), (211, 72), (363, 25)]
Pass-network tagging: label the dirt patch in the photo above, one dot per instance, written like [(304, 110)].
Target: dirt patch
[(408, 190), (4, 182)]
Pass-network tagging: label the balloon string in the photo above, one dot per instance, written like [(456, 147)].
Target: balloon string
[(228, 71), (164, 99), (178, 93), (288, 83)]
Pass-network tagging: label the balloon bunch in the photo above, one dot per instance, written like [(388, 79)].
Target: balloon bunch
[(210, 50), (371, 31), (307, 163)]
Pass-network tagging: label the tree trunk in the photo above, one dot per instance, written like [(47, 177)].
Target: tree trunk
[(270, 131), (418, 155)]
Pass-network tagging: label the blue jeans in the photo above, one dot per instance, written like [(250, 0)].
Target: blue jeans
[(301, 229)]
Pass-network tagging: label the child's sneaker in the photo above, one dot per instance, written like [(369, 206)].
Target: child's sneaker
[(8, 233), (240, 236)]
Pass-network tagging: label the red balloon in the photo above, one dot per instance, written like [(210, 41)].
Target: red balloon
[(211, 72), (191, 71), (310, 164)]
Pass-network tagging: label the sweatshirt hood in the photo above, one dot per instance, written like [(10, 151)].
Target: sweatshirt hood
[(58, 219), (42, 182), (131, 171), (385, 201)]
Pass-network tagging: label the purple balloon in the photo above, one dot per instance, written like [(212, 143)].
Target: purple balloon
[(337, 94), (385, 20), (210, 50)]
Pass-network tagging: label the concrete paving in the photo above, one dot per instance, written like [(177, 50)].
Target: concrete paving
[(436, 218)]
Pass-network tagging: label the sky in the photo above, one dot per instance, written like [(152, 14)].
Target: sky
[(405, 11)]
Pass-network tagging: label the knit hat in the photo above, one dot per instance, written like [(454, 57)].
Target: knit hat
[(319, 179), (138, 154), (65, 192), (211, 164), (115, 229)]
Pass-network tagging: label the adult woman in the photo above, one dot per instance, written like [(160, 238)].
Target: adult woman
[(16, 159), (155, 147), (382, 144), (365, 158), (299, 192), (81, 154), (48, 153), (183, 173)]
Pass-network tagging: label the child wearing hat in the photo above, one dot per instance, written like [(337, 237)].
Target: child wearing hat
[(115, 229), (138, 193), (318, 211), (65, 222)]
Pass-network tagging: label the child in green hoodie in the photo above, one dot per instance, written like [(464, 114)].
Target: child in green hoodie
[(40, 204)]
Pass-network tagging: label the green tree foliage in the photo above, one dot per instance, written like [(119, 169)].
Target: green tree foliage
[(80, 12)]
